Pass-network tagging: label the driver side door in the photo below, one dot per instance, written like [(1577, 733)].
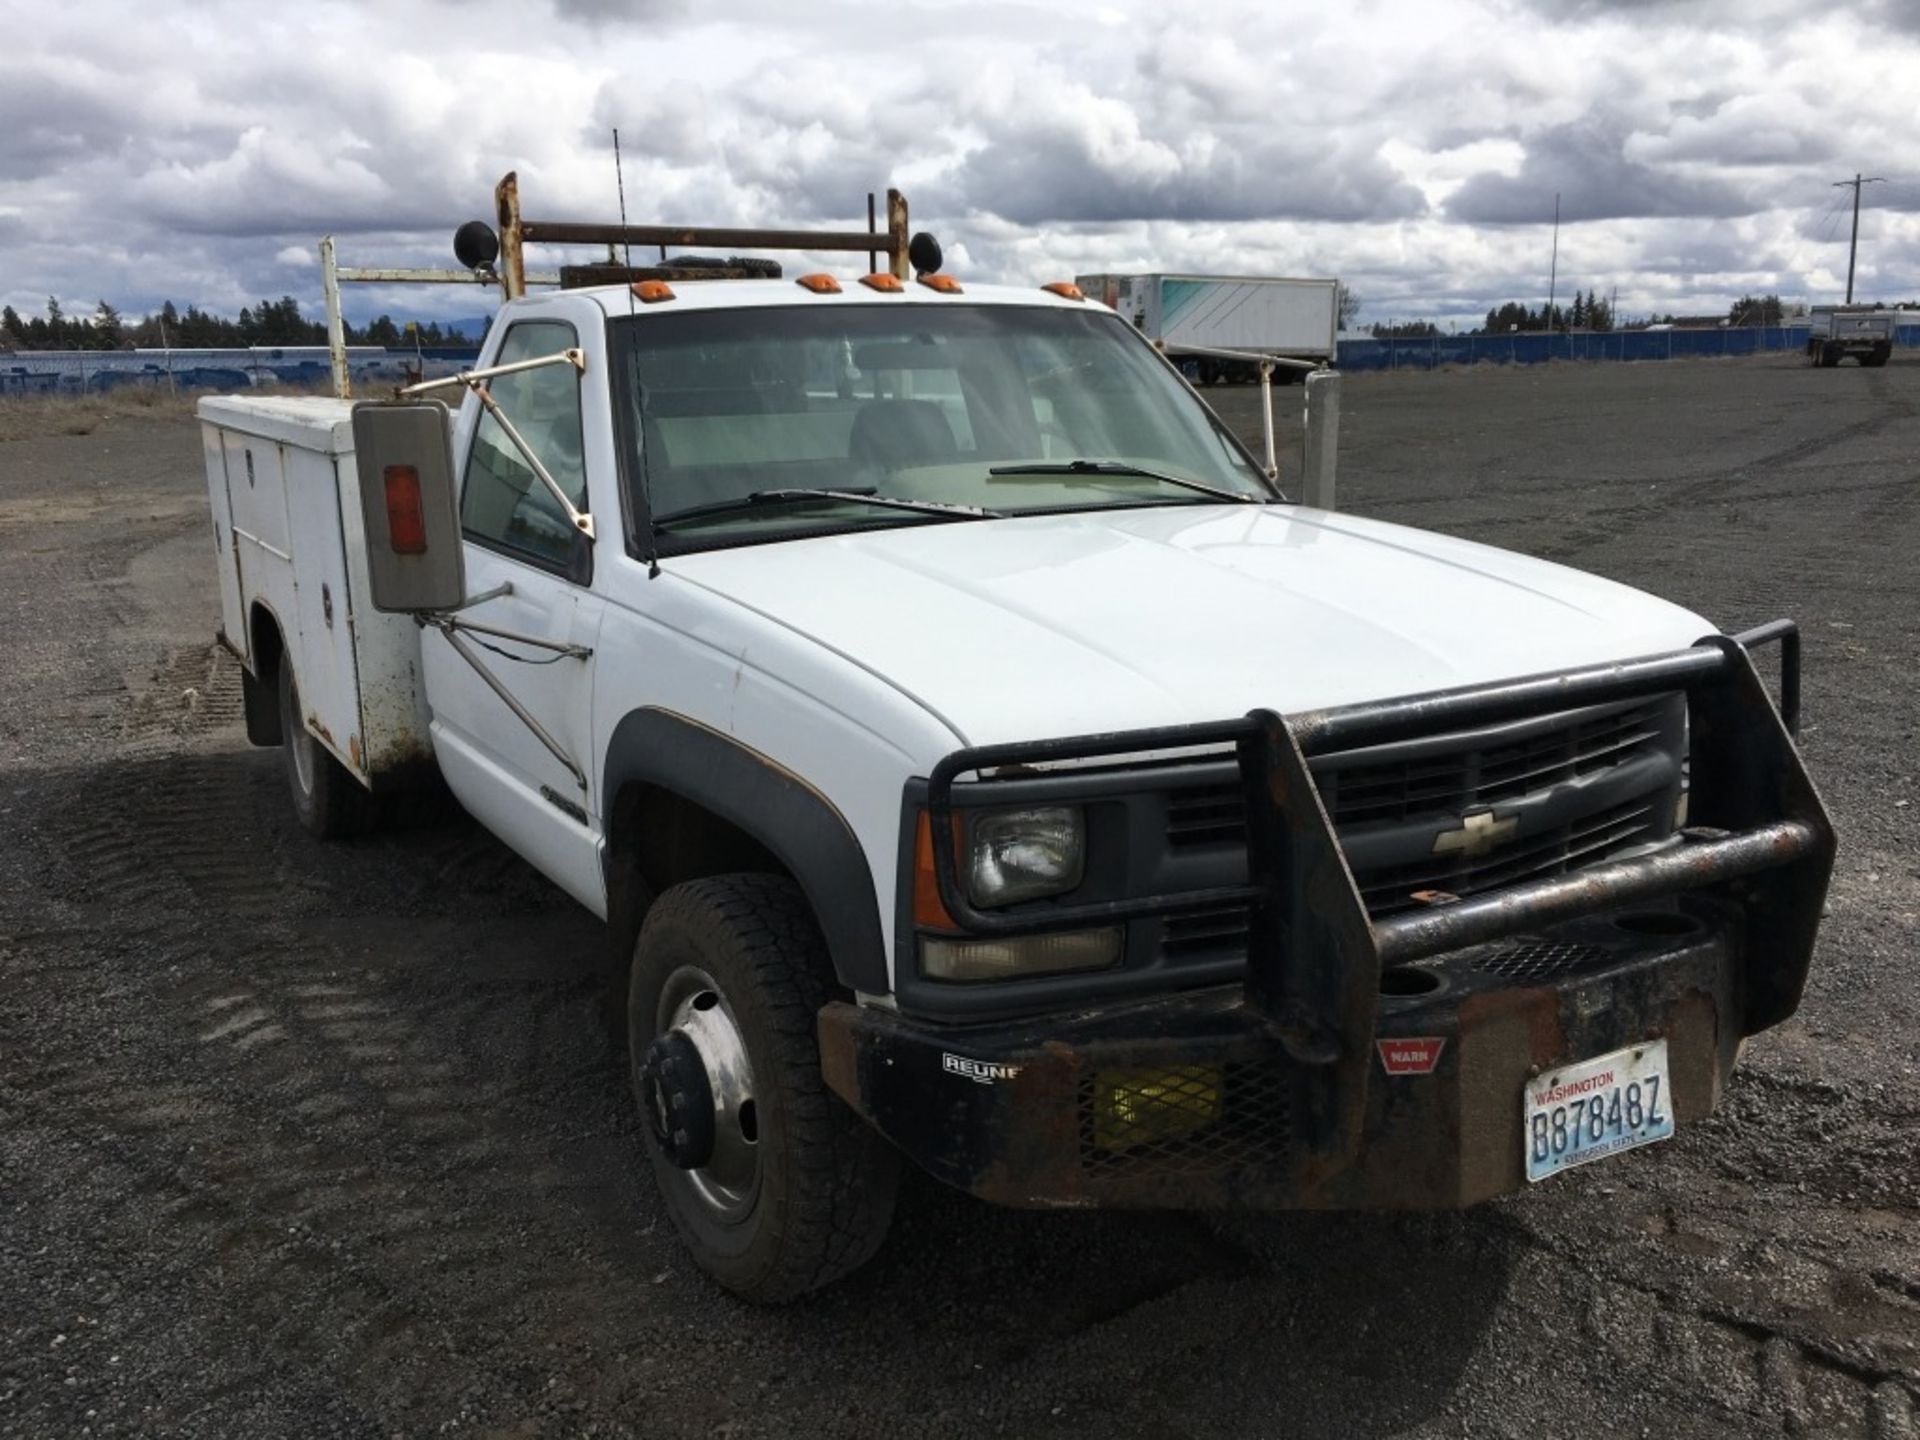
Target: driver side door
[(518, 539)]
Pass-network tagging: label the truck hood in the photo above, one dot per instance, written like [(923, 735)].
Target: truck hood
[(1044, 626)]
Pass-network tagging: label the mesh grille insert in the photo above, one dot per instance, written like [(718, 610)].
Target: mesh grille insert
[(1541, 960), (1182, 1119)]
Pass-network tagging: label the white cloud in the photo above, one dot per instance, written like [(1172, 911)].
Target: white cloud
[(1411, 146)]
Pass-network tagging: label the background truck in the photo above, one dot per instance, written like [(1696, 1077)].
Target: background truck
[(1295, 319), (1836, 331), (977, 760)]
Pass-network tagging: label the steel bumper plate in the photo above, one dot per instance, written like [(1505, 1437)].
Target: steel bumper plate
[(1189, 1102)]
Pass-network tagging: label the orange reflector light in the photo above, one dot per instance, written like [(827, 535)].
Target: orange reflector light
[(1065, 289), (882, 282), (821, 284), (945, 284), (652, 292), (928, 911), (406, 518)]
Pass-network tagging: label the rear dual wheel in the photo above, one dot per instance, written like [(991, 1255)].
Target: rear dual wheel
[(330, 802), (773, 1184)]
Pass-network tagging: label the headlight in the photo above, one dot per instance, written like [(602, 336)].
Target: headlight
[(1015, 855)]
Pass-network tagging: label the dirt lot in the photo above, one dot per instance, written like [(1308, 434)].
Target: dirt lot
[(305, 1142)]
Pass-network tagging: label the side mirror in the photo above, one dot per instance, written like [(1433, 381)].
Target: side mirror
[(403, 452)]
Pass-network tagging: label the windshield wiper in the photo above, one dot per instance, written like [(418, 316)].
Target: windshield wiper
[(867, 496), (1123, 470)]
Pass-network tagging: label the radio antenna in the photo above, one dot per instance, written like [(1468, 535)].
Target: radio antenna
[(626, 245), (620, 184)]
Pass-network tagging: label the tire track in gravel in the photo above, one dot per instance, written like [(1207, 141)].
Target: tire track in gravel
[(300, 1070)]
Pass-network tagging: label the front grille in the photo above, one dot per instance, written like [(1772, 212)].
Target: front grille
[(1391, 889), (1451, 783), (1470, 779), (1183, 1119), (1389, 808), (1203, 931)]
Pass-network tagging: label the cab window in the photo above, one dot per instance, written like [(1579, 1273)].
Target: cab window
[(502, 502)]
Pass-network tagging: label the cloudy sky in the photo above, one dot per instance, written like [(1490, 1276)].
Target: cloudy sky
[(1413, 147)]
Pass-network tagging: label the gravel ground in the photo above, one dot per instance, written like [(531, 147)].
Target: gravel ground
[(298, 1141)]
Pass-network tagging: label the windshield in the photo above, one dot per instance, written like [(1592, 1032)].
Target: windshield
[(1001, 408)]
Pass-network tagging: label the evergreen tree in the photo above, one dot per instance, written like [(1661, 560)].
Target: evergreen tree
[(106, 327), (13, 326)]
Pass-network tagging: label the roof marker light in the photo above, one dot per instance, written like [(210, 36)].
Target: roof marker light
[(652, 292), (945, 284), (819, 284), (1065, 289), (881, 281)]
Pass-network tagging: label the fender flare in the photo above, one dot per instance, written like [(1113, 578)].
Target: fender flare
[(768, 802)]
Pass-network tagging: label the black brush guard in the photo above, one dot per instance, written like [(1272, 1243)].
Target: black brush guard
[(1757, 835)]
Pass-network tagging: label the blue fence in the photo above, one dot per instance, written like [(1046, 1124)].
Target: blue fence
[(75, 372), (1535, 348)]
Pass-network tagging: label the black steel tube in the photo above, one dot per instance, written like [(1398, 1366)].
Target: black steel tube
[(1381, 722), (1686, 866), (552, 232), (1786, 634)]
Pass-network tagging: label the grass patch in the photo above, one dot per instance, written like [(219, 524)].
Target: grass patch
[(34, 417)]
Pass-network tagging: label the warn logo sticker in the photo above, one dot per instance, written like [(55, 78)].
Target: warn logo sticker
[(1411, 1056)]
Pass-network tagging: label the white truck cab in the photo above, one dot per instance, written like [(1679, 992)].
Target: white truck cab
[(977, 759)]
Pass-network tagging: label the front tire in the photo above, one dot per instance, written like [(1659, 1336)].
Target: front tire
[(774, 1185), (331, 804)]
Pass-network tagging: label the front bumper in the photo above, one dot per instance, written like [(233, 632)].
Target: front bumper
[(1276, 1092), (1190, 1102)]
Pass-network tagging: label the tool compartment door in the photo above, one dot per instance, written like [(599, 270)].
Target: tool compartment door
[(233, 610), (324, 663)]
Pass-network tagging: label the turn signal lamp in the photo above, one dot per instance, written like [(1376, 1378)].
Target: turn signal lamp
[(406, 517), (945, 284), (1065, 289), (929, 911), (883, 282), (652, 292), (819, 284)]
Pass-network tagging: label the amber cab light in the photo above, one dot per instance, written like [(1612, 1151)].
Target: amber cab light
[(945, 284), (1065, 289), (881, 281), (406, 519), (652, 292), (820, 283)]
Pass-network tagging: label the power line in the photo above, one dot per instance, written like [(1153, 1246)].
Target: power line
[(1853, 246)]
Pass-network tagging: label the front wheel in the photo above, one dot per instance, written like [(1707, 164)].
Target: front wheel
[(774, 1185)]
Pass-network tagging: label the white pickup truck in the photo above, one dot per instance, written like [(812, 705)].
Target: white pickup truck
[(977, 758)]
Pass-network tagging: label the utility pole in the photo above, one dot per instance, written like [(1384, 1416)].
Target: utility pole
[(1853, 246), (1553, 272)]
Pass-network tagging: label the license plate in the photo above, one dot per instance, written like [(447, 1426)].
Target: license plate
[(1596, 1108)]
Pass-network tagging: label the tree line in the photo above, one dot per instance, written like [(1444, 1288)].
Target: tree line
[(271, 322)]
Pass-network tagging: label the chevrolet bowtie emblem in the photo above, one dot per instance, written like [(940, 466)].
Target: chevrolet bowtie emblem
[(1477, 836)]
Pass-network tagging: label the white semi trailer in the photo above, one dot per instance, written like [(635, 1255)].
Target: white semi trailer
[(1189, 315)]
